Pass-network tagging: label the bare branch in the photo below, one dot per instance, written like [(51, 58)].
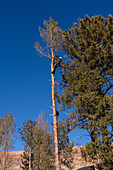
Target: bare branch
[(40, 50), (78, 137), (73, 130), (67, 114)]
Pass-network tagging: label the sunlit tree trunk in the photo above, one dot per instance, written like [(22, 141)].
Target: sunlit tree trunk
[(55, 128), (52, 36)]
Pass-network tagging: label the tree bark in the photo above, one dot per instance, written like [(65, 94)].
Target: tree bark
[(55, 128)]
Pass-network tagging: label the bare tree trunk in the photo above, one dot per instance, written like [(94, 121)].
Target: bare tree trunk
[(4, 160), (30, 158), (55, 128), (4, 154)]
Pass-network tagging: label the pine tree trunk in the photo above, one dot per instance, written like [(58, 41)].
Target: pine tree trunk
[(55, 128), (91, 132), (92, 136)]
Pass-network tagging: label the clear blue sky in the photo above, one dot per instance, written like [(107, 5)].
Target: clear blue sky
[(25, 89)]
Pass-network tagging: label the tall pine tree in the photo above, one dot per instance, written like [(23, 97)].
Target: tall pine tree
[(52, 37), (87, 74)]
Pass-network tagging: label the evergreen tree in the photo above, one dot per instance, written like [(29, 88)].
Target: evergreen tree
[(87, 74), (44, 148), (52, 36), (27, 136), (38, 145)]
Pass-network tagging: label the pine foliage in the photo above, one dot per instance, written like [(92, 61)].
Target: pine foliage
[(38, 144), (65, 147), (87, 74), (52, 38)]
